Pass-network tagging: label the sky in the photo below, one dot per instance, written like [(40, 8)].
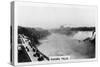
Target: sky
[(54, 17)]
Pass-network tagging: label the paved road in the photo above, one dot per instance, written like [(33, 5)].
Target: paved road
[(62, 45), (29, 50)]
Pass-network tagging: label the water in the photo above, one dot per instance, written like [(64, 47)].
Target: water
[(62, 45), (81, 35)]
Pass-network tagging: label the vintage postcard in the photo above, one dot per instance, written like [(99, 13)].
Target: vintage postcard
[(52, 33)]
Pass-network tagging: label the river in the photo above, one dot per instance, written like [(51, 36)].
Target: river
[(62, 45)]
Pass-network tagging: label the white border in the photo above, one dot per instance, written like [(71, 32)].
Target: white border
[(23, 3)]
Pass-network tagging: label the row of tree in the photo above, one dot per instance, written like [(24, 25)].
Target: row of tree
[(83, 28), (33, 34)]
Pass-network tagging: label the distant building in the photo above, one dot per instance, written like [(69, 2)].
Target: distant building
[(62, 26)]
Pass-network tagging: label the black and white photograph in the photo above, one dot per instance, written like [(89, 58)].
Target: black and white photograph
[(55, 32)]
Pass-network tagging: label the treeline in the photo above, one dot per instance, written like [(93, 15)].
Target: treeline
[(83, 29), (32, 33)]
